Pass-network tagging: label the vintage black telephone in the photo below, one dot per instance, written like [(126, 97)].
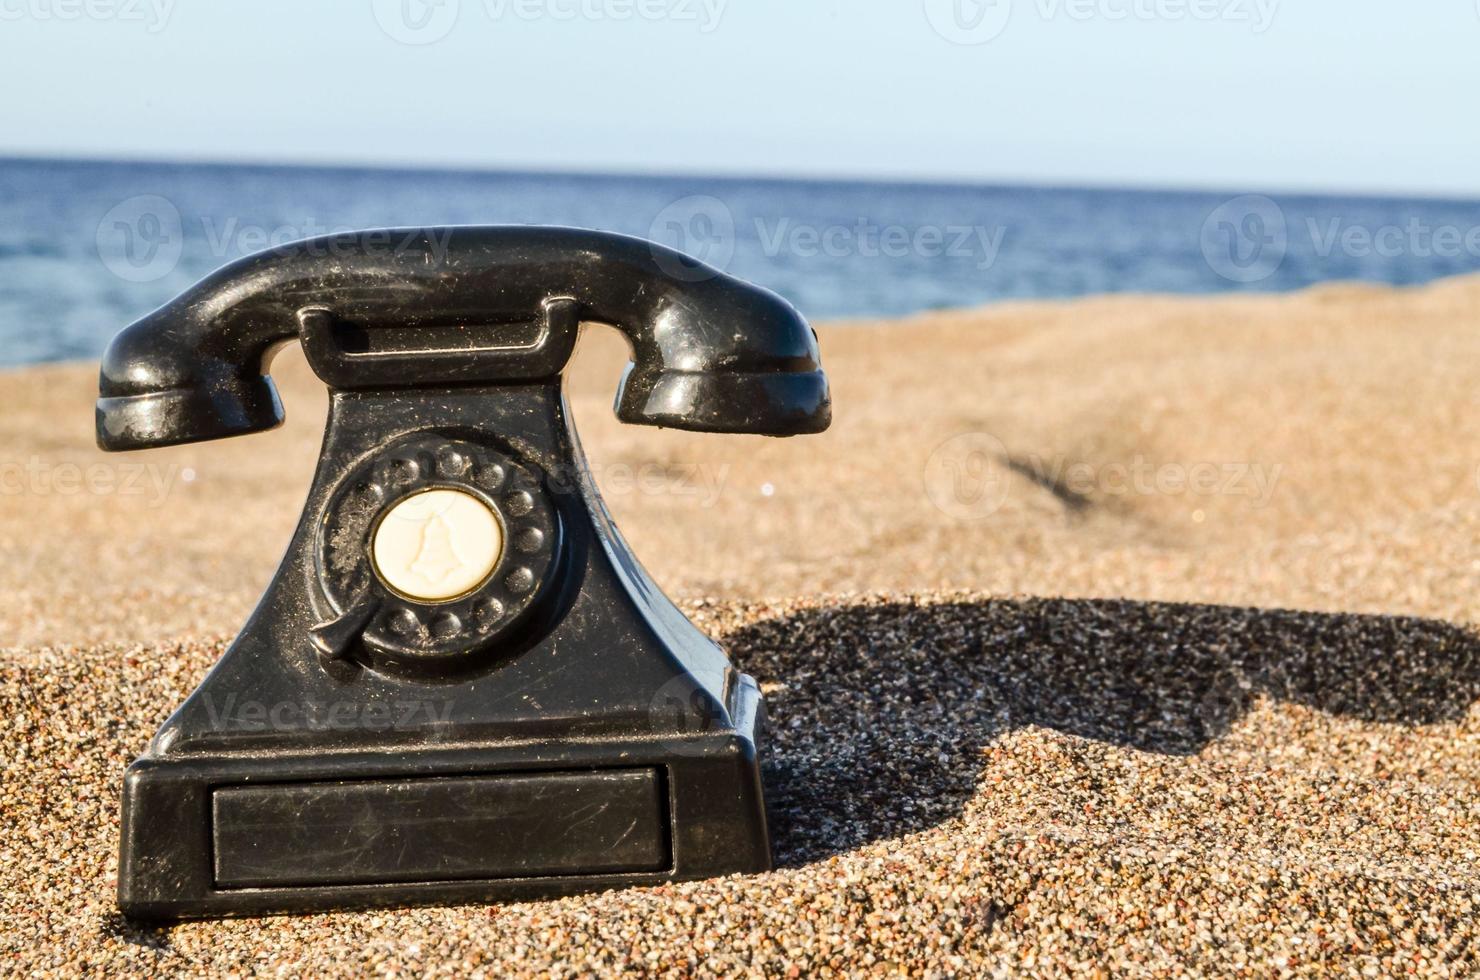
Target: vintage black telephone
[(460, 685)]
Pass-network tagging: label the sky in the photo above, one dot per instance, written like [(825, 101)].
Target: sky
[(1277, 95)]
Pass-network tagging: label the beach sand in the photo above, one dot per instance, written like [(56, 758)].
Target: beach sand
[(1022, 617)]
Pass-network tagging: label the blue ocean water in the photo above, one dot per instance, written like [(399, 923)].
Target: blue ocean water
[(86, 247)]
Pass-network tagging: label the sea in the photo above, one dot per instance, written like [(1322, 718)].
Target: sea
[(87, 246)]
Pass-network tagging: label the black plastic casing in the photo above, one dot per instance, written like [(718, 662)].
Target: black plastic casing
[(563, 727)]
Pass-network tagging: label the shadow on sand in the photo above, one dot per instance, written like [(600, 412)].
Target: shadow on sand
[(884, 708)]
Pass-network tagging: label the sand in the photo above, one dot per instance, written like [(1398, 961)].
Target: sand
[(1022, 621)]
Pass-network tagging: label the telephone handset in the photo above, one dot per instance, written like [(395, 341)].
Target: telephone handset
[(454, 554), (465, 305)]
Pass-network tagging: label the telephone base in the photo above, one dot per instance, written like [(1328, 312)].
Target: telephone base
[(208, 836)]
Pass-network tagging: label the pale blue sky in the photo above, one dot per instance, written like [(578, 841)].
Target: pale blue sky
[(1348, 95)]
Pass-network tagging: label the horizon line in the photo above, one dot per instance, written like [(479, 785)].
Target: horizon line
[(781, 177)]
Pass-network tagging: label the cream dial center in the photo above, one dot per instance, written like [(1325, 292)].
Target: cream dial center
[(437, 545)]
